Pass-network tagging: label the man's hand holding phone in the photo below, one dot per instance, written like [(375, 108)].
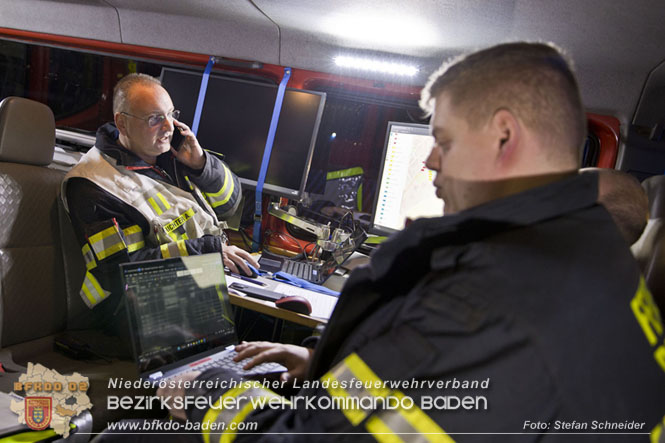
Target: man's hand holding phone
[(187, 151)]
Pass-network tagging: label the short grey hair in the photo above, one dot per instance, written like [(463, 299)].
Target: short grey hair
[(122, 88)]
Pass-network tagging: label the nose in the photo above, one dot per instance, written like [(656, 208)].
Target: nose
[(168, 121), (433, 161)]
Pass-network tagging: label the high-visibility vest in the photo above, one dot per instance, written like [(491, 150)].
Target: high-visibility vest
[(172, 213)]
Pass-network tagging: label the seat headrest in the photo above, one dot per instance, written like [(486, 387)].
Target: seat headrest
[(27, 131), (655, 189)]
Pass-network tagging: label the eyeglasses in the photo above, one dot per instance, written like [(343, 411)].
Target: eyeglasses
[(156, 119)]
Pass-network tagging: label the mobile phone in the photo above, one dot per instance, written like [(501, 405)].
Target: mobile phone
[(178, 139)]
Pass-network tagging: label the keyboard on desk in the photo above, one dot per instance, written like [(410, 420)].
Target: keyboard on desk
[(224, 360)]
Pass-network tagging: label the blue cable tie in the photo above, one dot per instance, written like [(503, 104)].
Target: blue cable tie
[(256, 240), (202, 95)]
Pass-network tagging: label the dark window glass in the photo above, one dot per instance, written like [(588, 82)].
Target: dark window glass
[(77, 86)]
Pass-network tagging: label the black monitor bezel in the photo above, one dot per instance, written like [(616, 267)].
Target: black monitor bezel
[(268, 188)]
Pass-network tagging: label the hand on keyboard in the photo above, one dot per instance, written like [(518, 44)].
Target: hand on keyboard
[(295, 358)]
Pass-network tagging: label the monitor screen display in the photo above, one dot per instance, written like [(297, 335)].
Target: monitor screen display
[(235, 121), (405, 185)]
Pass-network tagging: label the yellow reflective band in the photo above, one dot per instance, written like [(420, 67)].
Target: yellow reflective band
[(134, 238), (164, 202), (182, 247), (213, 197), (365, 373), (420, 421), (155, 207), (647, 314), (111, 230), (174, 249), (381, 432), (181, 220), (355, 416), (111, 250), (89, 257), (385, 425), (135, 246), (29, 437), (191, 187), (132, 230), (88, 298), (165, 250), (659, 355), (211, 414), (229, 435), (657, 432), (91, 291), (343, 173), (104, 244), (159, 209), (253, 394)]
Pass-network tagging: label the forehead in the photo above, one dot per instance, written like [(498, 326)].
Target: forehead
[(149, 99)]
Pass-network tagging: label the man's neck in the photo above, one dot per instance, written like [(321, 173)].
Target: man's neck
[(478, 193), (124, 142)]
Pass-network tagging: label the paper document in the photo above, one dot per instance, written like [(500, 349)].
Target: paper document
[(322, 304)]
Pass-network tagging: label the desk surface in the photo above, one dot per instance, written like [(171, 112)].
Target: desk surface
[(322, 304), (334, 282), (269, 308)]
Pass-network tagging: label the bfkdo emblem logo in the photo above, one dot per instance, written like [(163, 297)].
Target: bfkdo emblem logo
[(38, 412)]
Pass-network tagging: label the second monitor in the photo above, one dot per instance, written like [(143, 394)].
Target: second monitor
[(235, 121)]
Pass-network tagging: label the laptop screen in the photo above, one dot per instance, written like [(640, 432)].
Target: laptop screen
[(178, 307)]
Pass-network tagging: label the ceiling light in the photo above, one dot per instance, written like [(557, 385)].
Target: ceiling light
[(374, 65)]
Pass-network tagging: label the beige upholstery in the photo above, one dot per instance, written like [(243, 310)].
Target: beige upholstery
[(32, 290), (649, 250), (41, 267), (27, 132)]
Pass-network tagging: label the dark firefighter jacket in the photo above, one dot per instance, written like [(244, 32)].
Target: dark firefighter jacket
[(522, 313)]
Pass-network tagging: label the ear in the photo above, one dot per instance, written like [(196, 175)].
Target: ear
[(120, 122), (508, 133)]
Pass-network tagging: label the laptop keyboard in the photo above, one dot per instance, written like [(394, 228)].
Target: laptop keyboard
[(306, 271), (225, 361)]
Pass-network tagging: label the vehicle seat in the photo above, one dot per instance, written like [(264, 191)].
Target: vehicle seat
[(649, 250), (41, 268), (32, 288)]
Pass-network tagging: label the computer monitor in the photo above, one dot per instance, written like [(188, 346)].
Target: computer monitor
[(405, 184), (235, 121)]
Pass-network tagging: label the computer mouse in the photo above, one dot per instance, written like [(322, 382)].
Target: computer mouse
[(255, 272), (294, 303)]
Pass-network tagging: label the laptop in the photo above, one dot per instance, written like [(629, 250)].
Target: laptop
[(180, 317)]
